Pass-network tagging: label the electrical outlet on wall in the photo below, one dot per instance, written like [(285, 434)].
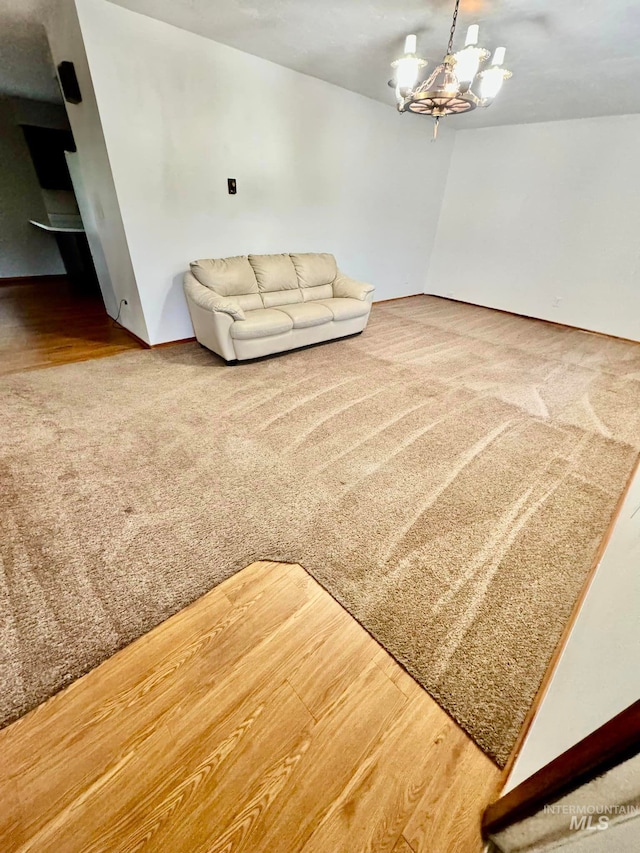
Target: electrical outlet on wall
[(556, 301)]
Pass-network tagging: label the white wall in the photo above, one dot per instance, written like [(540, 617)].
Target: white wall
[(24, 249), (598, 674), (95, 191), (540, 211), (318, 168)]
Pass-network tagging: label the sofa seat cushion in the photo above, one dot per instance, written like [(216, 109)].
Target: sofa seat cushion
[(307, 314), (343, 308), (261, 323)]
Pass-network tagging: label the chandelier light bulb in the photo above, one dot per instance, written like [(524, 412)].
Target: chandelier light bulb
[(498, 56), (492, 79), (472, 35), (411, 44), (407, 70), (491, 82), (468, 63)]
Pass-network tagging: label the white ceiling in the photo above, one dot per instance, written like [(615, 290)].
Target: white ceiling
[(569, 59)]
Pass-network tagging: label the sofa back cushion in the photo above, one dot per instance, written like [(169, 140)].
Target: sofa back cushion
[(274, 272), (315, 269), (269, 280), (226, 276), (316, 273), (277, 279)]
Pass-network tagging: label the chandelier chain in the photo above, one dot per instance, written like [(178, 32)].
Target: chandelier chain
[(453, 27)]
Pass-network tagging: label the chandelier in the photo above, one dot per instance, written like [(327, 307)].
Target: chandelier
[(447, 90)]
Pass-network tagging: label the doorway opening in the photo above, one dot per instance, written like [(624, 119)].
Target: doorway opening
[(51, 307)]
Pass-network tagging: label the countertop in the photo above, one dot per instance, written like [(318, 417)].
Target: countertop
[(58, 229)]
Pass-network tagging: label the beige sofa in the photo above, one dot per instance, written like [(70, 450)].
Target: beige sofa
[(247, 307)]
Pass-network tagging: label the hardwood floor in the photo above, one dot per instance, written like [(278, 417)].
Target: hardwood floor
[(261, 718), (45, 322)]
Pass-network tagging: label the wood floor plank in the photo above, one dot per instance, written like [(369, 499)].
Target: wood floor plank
[(260, 718), (246, 584), (381, 795), (447, 817), (185, 810), (341, 740), (346, 649), (12, 821)]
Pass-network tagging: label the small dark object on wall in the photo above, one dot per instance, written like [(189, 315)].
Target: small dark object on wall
[(69, 83), (231, 185)]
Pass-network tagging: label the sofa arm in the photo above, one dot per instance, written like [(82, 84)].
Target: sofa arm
[(212, 328), (208, 299), (343, 286)]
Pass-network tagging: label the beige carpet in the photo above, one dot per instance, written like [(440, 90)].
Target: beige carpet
[(447, 476)]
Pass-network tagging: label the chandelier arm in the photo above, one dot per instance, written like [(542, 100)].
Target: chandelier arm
[(424, 87), (453, 27)]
